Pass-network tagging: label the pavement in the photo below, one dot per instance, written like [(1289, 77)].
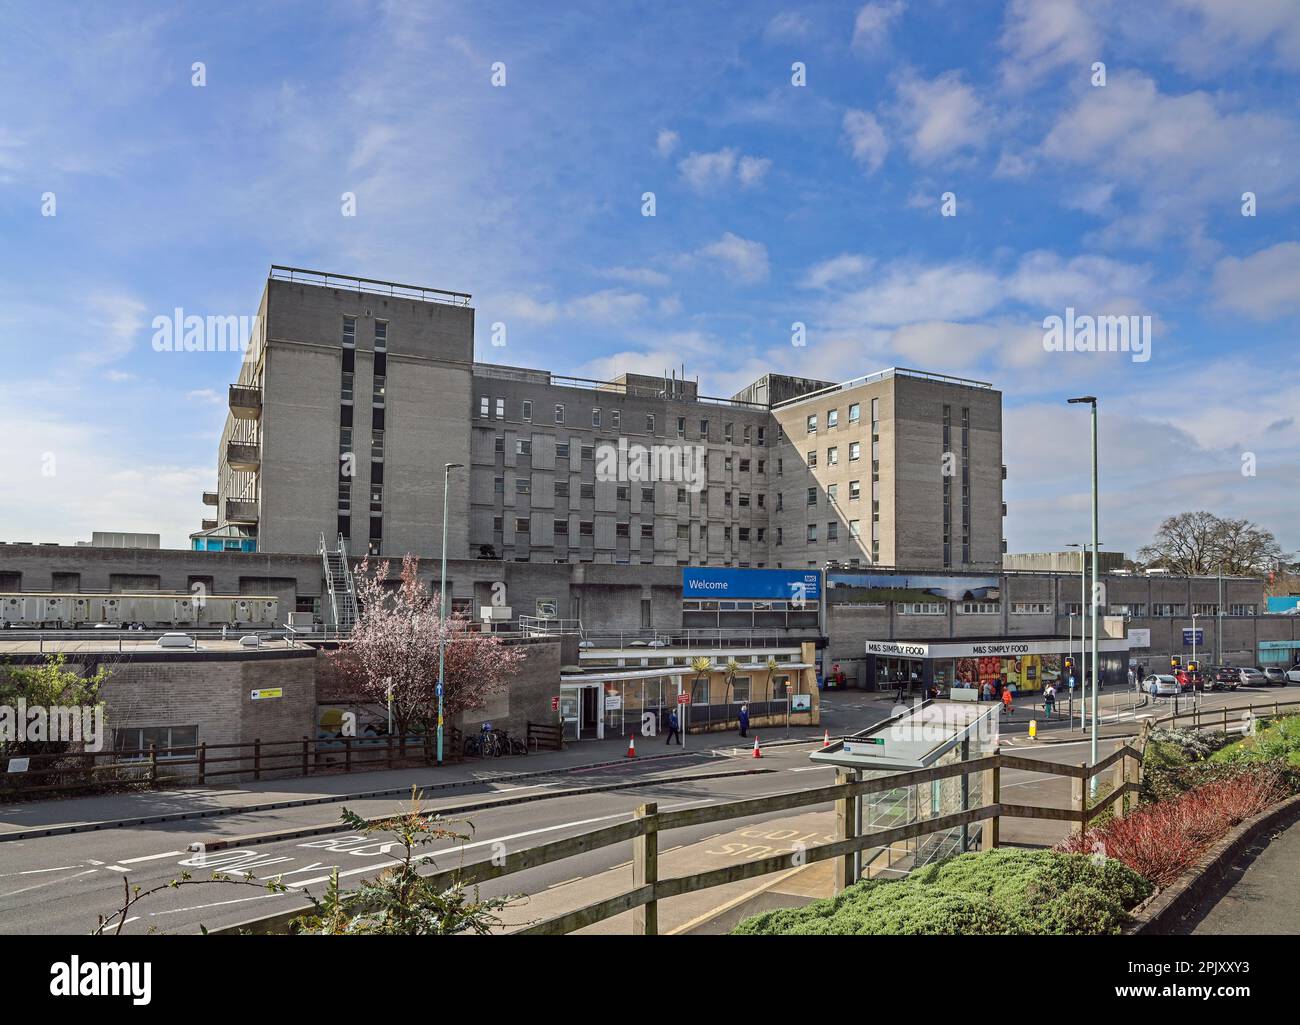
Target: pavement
[(1259, 897)]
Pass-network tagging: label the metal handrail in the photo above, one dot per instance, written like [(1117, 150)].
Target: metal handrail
[(373, 285)]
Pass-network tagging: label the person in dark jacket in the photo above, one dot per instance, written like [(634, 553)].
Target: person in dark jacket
[(674, 727), (744, 719)]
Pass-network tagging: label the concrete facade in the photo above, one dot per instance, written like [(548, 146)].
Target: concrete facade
[(354, 394)]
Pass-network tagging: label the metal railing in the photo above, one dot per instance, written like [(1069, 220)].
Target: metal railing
[(371, 285)]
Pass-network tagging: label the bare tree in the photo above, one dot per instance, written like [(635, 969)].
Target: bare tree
[(1201, 544)]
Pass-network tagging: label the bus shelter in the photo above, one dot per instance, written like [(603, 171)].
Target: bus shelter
[(928, 734)]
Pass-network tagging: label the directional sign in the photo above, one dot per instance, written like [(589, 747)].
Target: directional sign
[(267, 692), (1191, 637), (437, 690), (555, 704)]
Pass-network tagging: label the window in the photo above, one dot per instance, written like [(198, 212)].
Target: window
[(523, 448), (499, 485), (780, 501), (727, 430), (562, 450), (376, 444), (499, 444), (726, 464), (621, 530), (744, 533), (561, 528), (855, 490), (1031, 608), (649, 423), (681, 494), (345, 497), (522, 485), (345, 388), (622, 492), (704, 430), (681, 427), (832, 456), (527, 412), (615, 418), (921, 608), (496, 524), (683, 532), (586, 528), (980, 608), (747, 433), (648, 530), (561, 489), (855, 412), (744, 466), (587, 489), (744, 500), (588, 452), (762, 534), (832, 531), (521, 524), (812, 496), (780, 535), (762, 436), (1135, 610), (501, 409), (167, 741), (484, 406), (1167, 610), (377, 392), (762, 499), (855, 450), (726, 499), (595, 418), (376, 498), (648, 496), (832, 492), (559, 412), (812, 532), (832, 418), (349, 332), (1202, 609), (812, 423), (812, 458), (1242, 610), (381, 335), (855, 528)]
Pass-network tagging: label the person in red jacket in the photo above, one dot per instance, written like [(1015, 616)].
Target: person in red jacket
[(1006, 701)]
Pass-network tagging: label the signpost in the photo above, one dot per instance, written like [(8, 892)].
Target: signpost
[(267, 692)]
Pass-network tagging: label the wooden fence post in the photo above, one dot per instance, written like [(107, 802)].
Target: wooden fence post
[(203, 762), (846, 828), (1079, 801), (257, 758), (645, 870), (992, 795)]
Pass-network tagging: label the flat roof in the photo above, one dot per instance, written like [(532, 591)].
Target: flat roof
[(913, 739)]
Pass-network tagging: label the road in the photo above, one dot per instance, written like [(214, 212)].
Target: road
[(59, 884)]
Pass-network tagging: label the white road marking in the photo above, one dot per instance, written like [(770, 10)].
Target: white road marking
[(117, 868), (38, 871), (220, 903), (531, 786), (149, 857), (811, 768)]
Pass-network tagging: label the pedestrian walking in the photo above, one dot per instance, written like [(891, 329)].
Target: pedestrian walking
[(744, 719), (1007, 707), (674, 727), (1049, 700)]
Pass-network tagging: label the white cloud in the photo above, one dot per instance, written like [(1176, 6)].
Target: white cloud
[(1263, 285), (706, 172), (605, 306), (744, 260), (837, 268), (666, 142), (785, 26), (636, 276), (206, 395), (872, 24), (866, 138), (1042, 35), (1228, 31), (941, 115)]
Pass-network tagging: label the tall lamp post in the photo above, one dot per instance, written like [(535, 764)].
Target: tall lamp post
[(1083, 630), (1096, 668), (442, 603)]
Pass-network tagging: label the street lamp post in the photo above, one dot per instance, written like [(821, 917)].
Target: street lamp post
[(442, 603), (1096, 668)]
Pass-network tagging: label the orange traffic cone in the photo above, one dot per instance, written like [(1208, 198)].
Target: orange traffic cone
[(631, 745), (826, 739), (757, 752)]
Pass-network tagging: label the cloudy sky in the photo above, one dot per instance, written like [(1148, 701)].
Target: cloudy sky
[(799, 156)]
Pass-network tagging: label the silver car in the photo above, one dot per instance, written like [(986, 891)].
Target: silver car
[(1275, 675), (1161, 685), (1251, 677)]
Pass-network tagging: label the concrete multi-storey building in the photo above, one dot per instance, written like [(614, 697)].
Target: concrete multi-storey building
[(355, 395)]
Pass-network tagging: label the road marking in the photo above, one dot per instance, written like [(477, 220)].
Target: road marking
[(38, 871), (149, 857), (220, 903), (531, 786), (811, 768), (568, 881), (116, 868)]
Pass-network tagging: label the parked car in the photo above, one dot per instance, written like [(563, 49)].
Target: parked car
[(1251, 676), (1189, 680), (1293, 674), (1161, 685), (1275, 675), (1224, 678)]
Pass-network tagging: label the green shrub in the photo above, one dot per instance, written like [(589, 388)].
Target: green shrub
[(1005, 891), (1275, 741)]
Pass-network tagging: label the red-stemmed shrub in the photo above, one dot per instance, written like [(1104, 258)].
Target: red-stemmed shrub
[(1162, 841)]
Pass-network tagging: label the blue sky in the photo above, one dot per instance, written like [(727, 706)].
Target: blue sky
[(775, 203)]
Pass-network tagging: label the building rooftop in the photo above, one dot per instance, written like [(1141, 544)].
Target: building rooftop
[(374, 286)]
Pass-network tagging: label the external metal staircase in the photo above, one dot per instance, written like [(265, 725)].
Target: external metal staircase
[(340, 585)]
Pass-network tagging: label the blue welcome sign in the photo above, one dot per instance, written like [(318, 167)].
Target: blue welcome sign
[(774, 584)]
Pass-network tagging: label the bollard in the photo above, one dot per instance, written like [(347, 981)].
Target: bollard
[(1033, 729)]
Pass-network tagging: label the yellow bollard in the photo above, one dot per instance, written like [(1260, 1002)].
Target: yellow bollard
[(1033, 729)]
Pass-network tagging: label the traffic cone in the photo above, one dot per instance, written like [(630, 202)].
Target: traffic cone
[(757, 752), (631, 745), (826, 739)]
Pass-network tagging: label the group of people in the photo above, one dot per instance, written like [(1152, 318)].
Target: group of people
[(675, 724)]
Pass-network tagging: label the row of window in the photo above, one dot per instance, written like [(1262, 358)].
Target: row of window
[(833, 454), (833, 416), (524, 447), (347, 456), (495, 408), (587, 528)]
